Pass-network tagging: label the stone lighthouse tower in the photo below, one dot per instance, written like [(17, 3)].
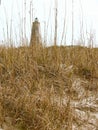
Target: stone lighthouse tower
[(35, 33)]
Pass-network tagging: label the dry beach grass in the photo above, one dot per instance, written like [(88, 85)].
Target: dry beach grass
[(49, 88)]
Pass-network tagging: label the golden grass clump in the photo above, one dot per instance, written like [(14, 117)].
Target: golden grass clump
[(36, 86)]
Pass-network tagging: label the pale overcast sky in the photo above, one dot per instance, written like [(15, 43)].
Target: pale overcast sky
[(12, 13)]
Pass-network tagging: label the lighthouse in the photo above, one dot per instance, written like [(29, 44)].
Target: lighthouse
[(35, 33)]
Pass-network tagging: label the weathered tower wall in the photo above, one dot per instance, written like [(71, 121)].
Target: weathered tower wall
[(35, 33)]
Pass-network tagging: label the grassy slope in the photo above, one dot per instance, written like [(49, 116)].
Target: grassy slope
[(31, 78)]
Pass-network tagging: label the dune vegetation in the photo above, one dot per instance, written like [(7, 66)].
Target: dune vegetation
[(49, 88), (46, 87)]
